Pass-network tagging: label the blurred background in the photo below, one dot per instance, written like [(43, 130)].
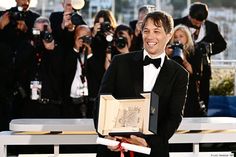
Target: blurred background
[(220, 11)]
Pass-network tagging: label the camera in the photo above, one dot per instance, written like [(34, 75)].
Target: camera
[(86, 39), (76, 18), (17, 15), (46, 35), (105, 26), (178, 54), (38, 36), (120, 42), (205, 49)]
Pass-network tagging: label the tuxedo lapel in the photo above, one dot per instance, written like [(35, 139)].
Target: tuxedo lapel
[(137, 72), (162, 78)]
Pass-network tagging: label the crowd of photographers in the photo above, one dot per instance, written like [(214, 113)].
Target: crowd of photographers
[(52, 68)]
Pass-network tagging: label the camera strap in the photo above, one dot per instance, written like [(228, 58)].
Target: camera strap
[(83, 63)]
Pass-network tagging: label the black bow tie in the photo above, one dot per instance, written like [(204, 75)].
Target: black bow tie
[(155, 62)]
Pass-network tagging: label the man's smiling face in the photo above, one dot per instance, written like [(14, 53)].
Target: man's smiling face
[(154, 38)]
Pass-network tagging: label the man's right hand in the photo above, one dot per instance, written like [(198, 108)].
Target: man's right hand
[(138, 28), (4, 20), (66, 23)]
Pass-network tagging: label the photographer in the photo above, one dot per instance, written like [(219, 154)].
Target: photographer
[(204, 32), (181, 49), (39, 63), (64, 23), (137, 43), (16, 23), (121, 43), (102, 33), (81, 76)]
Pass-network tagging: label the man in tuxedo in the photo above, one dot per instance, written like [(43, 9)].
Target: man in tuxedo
[(144, 71), (82, 79), (204, 32)]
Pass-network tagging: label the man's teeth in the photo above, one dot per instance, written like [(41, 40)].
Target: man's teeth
[(151, 44)]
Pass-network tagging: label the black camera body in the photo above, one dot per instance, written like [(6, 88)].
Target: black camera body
[(120, 42), (86, 39), (178, 54), (46, 35), (38, 36), (105, 26), (17, 15), (205, 49), (76, 18)]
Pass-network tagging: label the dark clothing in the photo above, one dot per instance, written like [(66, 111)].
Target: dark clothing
[(63, 37), (132, 24), (124, 79), (10, 38), (193, 107), (49, 72), (218, 45), (137, 41), (212, 34), (11, 35), (99, 48), (6, 86), (93, 80)]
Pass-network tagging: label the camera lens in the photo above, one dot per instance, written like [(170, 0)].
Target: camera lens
[(121, 42), (46, 35), (105, 26), (86, 39)]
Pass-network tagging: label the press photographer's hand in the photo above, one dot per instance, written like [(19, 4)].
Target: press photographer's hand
[(4, 20), (67, 21), (21, 25), (49, 45)]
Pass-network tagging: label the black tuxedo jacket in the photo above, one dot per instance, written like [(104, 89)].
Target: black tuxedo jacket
[(212, 34), (124, 79)]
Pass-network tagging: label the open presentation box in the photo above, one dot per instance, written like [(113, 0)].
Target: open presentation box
[(128, 115), (125, 117)]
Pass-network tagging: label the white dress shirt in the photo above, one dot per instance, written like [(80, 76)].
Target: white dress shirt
[(202, 32), (78, 88), (150, 72)]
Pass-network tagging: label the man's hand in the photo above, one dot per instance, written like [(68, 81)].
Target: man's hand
[(4, 20), (49, 46), (66, 23), (136, 141), (138, 28), (132, 140), (113, 148), (21, 25)]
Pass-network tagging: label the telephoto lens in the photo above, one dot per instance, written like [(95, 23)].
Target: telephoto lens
[(121, 42)]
